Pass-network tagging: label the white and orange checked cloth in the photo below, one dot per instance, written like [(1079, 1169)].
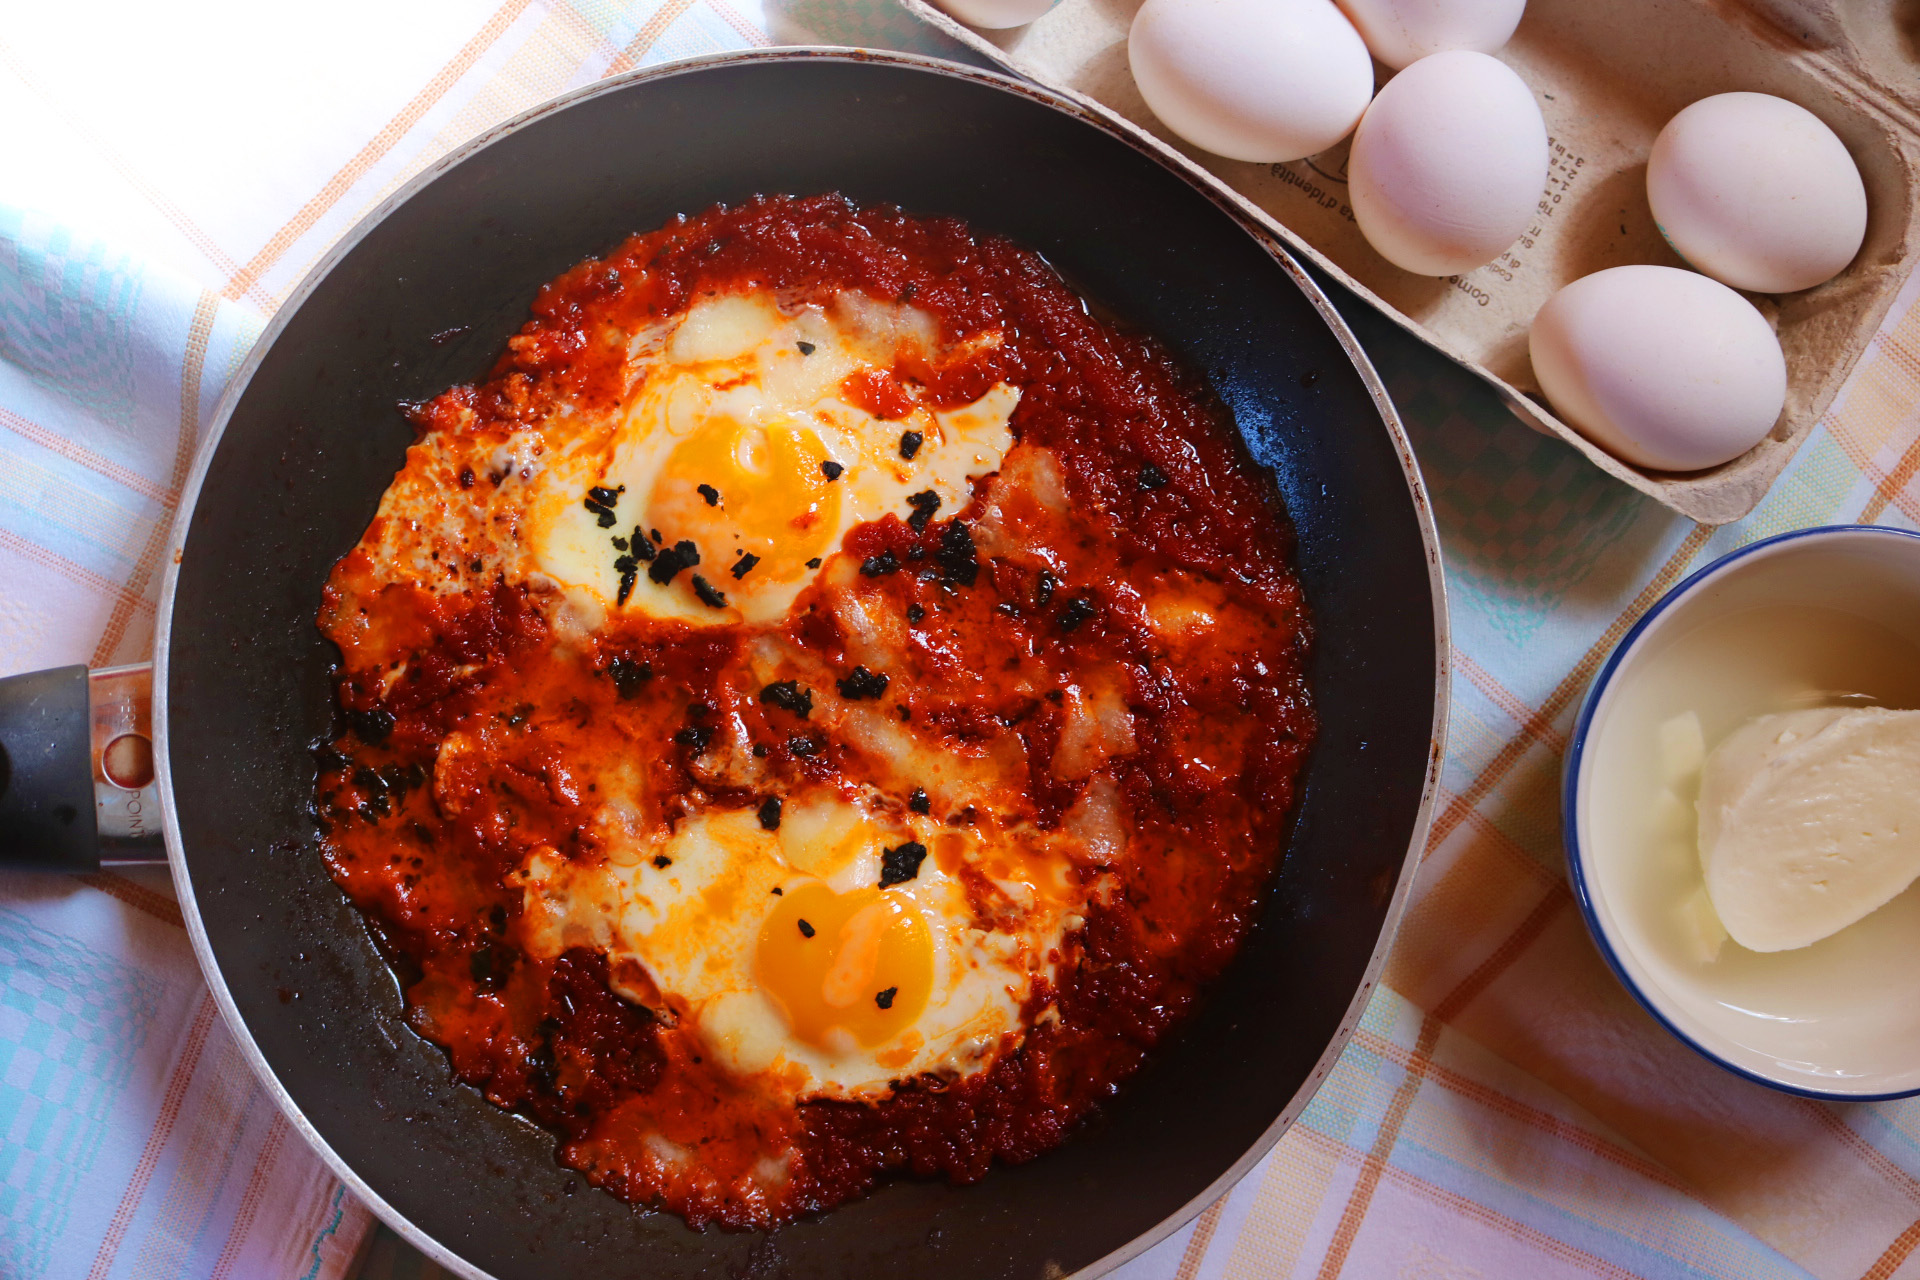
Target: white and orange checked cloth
[(169, 172)]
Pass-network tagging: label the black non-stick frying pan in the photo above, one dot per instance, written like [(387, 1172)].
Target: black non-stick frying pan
[(309, 435)]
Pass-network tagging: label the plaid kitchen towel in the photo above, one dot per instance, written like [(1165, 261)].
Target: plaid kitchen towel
[(168, 173)]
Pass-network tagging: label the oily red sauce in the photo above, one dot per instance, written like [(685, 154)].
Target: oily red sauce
[(426, 839)]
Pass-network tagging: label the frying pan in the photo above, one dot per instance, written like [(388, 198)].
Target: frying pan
[(423, 294)]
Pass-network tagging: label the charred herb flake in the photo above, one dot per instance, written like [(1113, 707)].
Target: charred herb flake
[(695, 737), (638, 552), (897, 866), (788, 696), (669, 562), (910, 442), (959, 563), (708, 596), (744, 565), (862, 683), (924, 504), (831, 469), (629, 570), (600, 500), (628, 677), (1152, 477), (918, 801), (885, 998), (769, 815), (711, 494), (806, 930), (881, 565)]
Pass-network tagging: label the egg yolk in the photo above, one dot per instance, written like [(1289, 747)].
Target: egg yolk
[(749, 487), (861, 962)]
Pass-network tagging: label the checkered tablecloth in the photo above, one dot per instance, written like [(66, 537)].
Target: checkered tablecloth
[(169, 172)]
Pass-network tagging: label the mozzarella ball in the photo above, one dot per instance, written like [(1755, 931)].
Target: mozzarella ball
[(1401, 32), (1259, 80), (1757, 192), (1660, 367), (996, 15), (1448, 164)]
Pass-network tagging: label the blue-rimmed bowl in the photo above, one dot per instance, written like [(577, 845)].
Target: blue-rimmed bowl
[(1813, 617)]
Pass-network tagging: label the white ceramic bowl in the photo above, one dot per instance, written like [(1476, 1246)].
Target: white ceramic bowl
[(1815, 616)]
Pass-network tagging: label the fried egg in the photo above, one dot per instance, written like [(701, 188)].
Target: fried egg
[(739, 461), (833, 954)]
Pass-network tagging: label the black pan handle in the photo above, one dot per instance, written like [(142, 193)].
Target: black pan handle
[(77, 789)]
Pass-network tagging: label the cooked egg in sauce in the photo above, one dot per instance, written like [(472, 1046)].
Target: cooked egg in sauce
[(741, 445), (832, 956)]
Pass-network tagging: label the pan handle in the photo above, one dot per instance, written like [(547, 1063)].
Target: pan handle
[(77, 787)]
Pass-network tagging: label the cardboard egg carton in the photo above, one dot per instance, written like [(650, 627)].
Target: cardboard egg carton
[(1607, 76)]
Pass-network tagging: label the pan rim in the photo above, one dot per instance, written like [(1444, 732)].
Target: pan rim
[(1096, 118)]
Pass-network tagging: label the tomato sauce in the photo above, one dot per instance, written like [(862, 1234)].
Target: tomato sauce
[(469, 720)]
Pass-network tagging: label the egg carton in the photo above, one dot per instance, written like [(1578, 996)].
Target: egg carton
[(1607, 77)]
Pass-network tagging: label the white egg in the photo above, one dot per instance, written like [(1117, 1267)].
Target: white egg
[(1401, 32), (1448, 164), (1757, 192), (1661, 367), (1259, 80), (996, 15)]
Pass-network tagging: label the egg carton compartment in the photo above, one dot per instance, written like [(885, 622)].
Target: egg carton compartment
[(1607, 78)]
